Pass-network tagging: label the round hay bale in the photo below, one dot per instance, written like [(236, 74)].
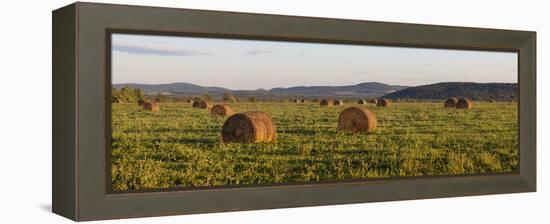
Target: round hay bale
[(296, 101), (324, 102), (450, 103), (151, 106), (200, 104), (338, 103), (492, 101), (383, 103), (190, 101), (302, 101), (374, 101), (463, 103), (221, 110), (357, 120), (361, 101), (249, 127)]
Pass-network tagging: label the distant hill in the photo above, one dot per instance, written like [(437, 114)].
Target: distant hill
[(362, 89), (367, 89), (474, 91), (178, 87)]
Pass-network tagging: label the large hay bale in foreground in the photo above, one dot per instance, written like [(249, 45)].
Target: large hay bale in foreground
[(463, 103), (221, 110), (200, 104), (361, 101), (324, 102), (249, 127), (338, 103), (357, 120), (374, 101), (450, 103), (151, 106), (383, 103)]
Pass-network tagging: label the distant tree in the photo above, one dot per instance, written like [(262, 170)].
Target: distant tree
[(114, 95), (126, 95), (252, 99), (228, 97), (162, 98), (139, 94), (206, 97), (197, 99)]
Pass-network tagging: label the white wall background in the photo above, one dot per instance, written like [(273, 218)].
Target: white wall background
[(25, 158)]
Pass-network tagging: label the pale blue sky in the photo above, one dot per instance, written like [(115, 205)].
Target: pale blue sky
[(252, 64)]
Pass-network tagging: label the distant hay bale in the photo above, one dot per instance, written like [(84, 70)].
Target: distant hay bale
[(491, 101), (374, 101), (383, 103), (200, 104), (450, 103), (337, 103), (140, 102), (249, 127), (302, 101), (221, 110), (151, 106), (361, 101), (324, 102), (357, 120), (296, 101), (190, 101), (463, 103)]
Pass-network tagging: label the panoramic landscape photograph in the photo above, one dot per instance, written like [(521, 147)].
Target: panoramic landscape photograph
[(196, 112)]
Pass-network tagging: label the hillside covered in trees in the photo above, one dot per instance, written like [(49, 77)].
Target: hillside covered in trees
[(471, 90)]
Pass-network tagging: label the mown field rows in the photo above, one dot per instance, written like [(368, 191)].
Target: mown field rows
[(180, 146)]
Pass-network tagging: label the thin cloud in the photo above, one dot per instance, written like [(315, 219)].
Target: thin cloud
[(258, 52), (161, 51)]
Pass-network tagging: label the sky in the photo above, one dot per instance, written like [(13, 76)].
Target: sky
[(253, 64)]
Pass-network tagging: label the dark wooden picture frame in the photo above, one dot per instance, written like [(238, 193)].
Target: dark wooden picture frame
[(81, 110)]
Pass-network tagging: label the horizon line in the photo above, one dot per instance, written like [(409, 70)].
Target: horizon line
[(214, 86)]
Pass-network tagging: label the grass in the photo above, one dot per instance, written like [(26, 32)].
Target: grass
[(180, 146)]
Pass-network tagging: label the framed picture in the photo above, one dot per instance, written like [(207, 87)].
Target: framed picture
[(202, 111)]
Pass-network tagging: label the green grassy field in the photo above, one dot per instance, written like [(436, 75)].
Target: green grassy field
[(180, 146)]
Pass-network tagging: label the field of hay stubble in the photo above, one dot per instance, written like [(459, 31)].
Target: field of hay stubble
[(181, 146)]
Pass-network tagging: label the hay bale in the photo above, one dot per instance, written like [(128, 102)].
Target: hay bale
[(296, 101), (357, 120), (302, 101), (450, 103), (221, 110), (492, 101), (361, 101), (151, 106), (337, 103), (383, 103), (324, 102), (463, 103), (249, 127), (200, 104), (190, 101), (373, 101)]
